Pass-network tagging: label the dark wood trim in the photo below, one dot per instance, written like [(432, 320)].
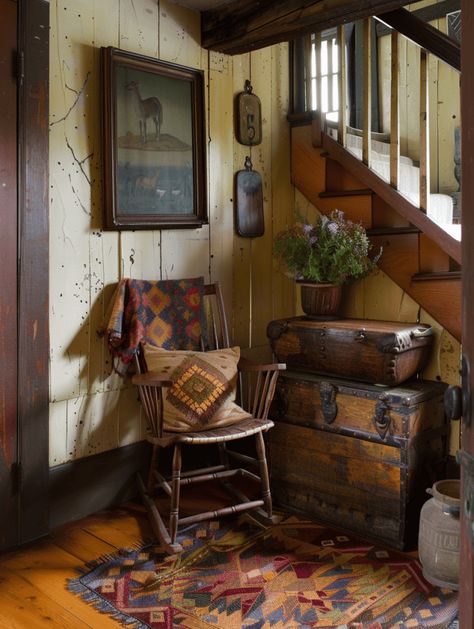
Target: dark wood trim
[(300, 118), (440, 275), (427, 14), (297, 92), (466, 573), (33, 346), (242, 26), (392, 231), (360, 192), (8, 277), (79, 488), (424, 35), (406, 209)]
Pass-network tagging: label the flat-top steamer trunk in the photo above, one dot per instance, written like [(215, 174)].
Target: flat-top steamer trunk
[(357, 456)]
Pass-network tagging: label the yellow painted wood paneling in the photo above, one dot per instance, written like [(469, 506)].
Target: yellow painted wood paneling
[(93, 409), (185, 253), (242, 301), (138, 27), (261, 248), (221, 165), (283, 292)]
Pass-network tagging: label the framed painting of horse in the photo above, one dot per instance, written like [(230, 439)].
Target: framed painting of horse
[(153, 149)]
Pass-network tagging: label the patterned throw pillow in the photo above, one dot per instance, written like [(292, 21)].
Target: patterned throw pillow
[(204, 387)]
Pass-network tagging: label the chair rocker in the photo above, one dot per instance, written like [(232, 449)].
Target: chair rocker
[(256, 387)]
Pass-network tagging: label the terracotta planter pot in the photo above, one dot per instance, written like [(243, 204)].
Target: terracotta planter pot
[(320, 299)]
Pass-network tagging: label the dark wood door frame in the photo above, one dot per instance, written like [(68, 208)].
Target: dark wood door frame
[(466, 577), (33, 269), (8, 274)]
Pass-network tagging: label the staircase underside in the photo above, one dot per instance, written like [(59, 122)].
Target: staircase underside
[(418, 255)]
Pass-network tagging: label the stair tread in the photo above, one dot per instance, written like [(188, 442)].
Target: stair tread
[(386, 231), (436, 275), (346, 193)]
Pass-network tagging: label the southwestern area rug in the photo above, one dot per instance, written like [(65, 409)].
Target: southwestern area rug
[(294, 574)]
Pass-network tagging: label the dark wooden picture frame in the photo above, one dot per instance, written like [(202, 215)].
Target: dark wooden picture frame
[(153, 149)]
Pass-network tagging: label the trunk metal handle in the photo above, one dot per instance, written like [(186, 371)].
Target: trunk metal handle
[(421, 333)]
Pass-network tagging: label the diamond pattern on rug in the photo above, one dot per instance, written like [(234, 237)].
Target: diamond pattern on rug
[(285, 576)]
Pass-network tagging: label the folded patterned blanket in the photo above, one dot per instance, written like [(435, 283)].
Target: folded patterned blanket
[(165, 313)]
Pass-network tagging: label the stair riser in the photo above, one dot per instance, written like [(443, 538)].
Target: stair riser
[(405, 254)]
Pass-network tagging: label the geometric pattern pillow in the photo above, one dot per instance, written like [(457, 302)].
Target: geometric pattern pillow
[(204, 387), (198, 389)]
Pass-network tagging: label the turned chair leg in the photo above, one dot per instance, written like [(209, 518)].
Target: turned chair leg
[(176, 486), (264, 477), (223, 456), (151, 471)]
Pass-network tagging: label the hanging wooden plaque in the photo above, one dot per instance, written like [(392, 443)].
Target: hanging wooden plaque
[(248, 202), (248, 117)]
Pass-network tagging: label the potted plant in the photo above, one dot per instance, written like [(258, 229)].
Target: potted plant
[(324, 256)]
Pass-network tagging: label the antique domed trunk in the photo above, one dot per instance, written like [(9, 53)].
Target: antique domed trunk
[(378, 352)]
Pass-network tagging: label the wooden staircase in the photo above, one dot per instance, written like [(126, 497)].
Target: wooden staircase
[(417, 254)]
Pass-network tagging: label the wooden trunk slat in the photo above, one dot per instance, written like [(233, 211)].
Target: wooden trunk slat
[(372, 526), (298, 400)]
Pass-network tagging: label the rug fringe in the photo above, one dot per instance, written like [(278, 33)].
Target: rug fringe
[(103, 606), (98, 561)]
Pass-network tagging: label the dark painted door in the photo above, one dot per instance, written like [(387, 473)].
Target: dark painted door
[(8, 275), (467, 525)]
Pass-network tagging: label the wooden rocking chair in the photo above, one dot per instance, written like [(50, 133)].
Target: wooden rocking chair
[(256, 387)]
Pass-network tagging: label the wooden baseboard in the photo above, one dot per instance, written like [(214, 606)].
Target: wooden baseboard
[(79, 488)]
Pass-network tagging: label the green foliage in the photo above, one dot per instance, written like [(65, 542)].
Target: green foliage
[(333, 250)]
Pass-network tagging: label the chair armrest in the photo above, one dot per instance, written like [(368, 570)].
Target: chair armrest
[(246, 366), (151, 379)]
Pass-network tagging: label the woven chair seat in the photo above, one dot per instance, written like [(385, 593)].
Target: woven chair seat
[(243, 429)]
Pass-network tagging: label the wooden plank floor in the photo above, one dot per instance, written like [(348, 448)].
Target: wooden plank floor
[(33, 590), (33, 593)]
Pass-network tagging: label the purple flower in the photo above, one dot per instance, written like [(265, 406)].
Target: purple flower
[(339, 214), (307, 229), (333, 228), (313, 240)]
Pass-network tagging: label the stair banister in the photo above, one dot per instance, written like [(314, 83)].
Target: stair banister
[(319, 98), (342, 86), (424, 133), (367, 72), (394, 113)]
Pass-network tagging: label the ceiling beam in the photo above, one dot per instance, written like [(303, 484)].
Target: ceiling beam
[(246, 25), (427, 14), (424, 35)]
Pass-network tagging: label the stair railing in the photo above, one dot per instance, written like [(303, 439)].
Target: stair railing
[(314, 86)]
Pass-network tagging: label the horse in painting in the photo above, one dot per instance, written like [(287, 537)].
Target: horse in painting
[(146, 108)]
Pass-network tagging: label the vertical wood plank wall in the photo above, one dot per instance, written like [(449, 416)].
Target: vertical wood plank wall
[(444, 105), (92, 410)]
